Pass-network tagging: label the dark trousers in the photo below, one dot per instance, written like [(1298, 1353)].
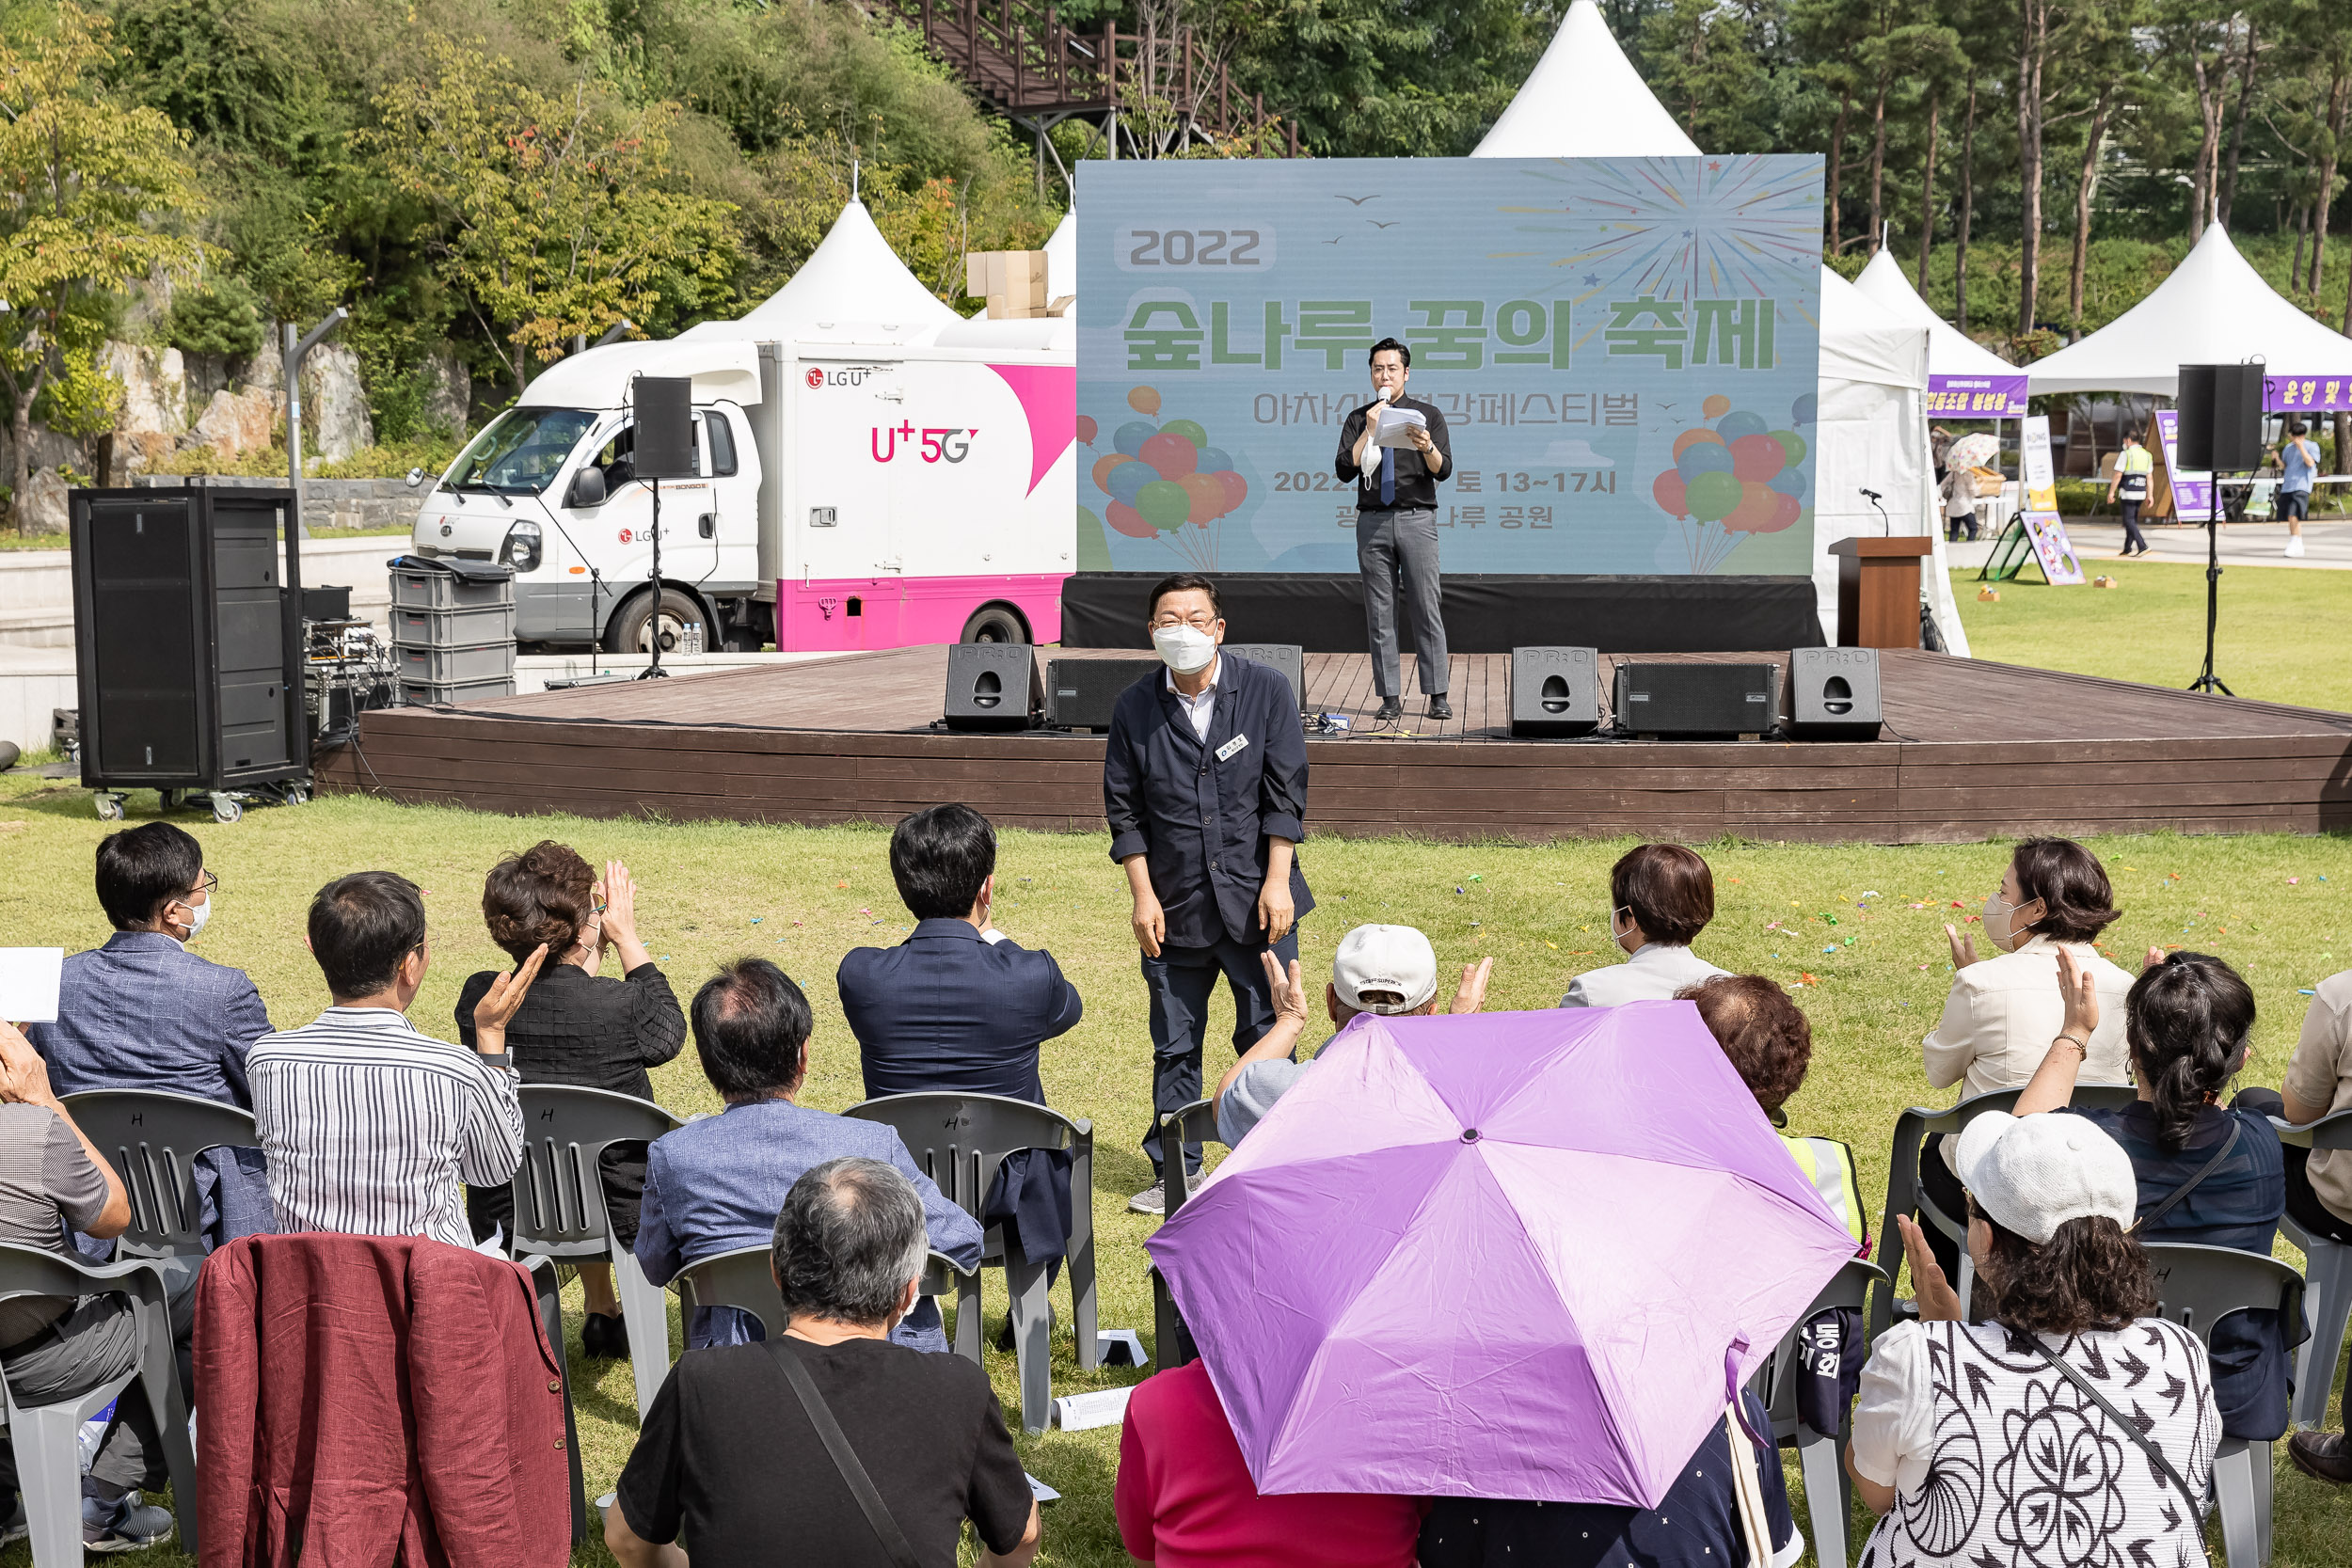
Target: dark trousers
[(2134, 540), (1181, 981), (2302, 1201), (1393, 543), (94, 1343)]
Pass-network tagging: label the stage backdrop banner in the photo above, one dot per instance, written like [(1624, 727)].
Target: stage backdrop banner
[(1626, 351)]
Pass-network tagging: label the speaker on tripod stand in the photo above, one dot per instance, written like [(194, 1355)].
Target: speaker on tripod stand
[(665, 449), (2221, 412)]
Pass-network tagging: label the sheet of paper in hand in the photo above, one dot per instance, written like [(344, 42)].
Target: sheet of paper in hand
[(28, 983), (1397, 426)]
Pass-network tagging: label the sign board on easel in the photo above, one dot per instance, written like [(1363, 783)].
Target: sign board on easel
[(2176, 494), (2051, 550), (2040, 473)]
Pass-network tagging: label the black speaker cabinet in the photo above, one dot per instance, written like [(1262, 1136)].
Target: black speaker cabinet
[(990, 685), (1689, 701), (665, 426), (2222, 418), (1833, 693), (1554, 692), (1079, 692), (1288, 657), (186, 642)]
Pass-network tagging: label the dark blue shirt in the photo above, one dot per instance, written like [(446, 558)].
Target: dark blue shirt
[(949, 1009), (1199, 812), (2237, 1206)]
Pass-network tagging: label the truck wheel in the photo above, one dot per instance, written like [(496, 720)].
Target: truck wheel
[(995, 623), (633, 629)]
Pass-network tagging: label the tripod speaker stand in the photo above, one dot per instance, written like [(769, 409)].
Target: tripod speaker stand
[(2220, 432), (665, 449)]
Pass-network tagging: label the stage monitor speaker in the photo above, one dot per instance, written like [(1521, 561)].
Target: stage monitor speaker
[(1554, 692), (1683, 702), (1080, 693), (1833, 693), (2220, 419), (665, 427), (1288, 657), (990, 685)]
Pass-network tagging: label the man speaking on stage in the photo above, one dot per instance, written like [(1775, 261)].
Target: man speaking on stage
[(1204, 781), (1396, 525)]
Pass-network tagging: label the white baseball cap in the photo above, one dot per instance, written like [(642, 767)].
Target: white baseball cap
[(2032, 1174), (1389, 958)]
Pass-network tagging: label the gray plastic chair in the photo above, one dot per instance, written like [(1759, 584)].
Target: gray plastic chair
[(745, 1279), (1905, 1194), (1194, 1124), (46, 1438), (2328, 1267), (559, 1207), (1828, 1492), (2196, 1287), (152, 1138), (959, 1140)]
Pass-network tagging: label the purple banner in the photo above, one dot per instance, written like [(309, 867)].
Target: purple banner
[(2305, 394), (1979, 397), (2192, 492)]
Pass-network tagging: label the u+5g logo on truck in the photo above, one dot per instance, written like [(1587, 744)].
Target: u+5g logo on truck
[(940, 443)]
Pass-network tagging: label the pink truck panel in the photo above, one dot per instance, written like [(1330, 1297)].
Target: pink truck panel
[(848, 614)]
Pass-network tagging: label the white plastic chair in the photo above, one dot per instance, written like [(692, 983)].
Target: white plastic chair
[(1827, 1491), (2327, 1275)]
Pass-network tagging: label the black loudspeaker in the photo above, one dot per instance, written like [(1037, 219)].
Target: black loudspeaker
[(665, 427), (990, 685), (1833, 693), (1080, 693), (2222, 418), (1554, 692), (187, 645), (1683, 701), (1288, 657)]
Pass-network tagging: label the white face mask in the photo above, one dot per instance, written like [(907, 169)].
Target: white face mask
[(2003, 935), (1622, 935), (198, 914), (1184, 648)]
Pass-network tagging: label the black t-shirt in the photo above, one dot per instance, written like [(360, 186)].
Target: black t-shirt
[(727, 1458)]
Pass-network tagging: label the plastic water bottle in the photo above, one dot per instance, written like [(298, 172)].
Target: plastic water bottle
[(691, 643)]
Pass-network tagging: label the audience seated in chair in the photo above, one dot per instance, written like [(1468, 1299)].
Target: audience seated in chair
[(1958, 1426), (958, 1006), (2319, 1183), (1661, 897), (2003, 1010), (579, 1028), (53, 1348), (714, 1185), (143, 1012), (2207, 1176), (1390, 970), (730, 1457), (370, 1128)]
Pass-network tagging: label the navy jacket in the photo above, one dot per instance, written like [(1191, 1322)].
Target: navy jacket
[(1202, 822), (948, 1011), (145, 1013)]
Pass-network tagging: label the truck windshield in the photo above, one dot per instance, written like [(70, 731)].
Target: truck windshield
[(522, 450)]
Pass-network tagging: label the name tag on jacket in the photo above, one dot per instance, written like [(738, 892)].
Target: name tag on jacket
[(1231, 748)]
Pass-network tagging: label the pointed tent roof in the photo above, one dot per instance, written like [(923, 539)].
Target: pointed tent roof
[(1585, 100), (853, 276), (2213, 309), (1950, 352)]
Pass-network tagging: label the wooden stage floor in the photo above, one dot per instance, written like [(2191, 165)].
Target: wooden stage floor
[(1970, 749)]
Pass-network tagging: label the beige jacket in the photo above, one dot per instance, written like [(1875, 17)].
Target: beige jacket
[(2320, 1073), (2004, 1011)]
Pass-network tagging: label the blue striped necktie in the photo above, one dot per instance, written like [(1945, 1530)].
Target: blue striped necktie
[(1388, 476)]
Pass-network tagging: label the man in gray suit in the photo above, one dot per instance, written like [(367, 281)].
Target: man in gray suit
[(1396, 530)]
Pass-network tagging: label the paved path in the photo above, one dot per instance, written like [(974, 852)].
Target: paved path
[(2327, 545)]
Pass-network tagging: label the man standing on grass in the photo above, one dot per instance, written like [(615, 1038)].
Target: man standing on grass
[(1204, 781)]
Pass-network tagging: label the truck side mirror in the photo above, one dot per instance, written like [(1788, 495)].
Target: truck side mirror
[(587, 488)]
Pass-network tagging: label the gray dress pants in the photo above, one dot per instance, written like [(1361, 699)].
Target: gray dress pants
[(1401, 540)]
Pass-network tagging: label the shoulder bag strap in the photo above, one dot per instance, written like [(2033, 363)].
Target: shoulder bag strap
[(845, 1458), (2147, 1222), (2131, 1430)]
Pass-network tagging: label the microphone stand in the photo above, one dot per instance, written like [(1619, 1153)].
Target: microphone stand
[(1887, 524)]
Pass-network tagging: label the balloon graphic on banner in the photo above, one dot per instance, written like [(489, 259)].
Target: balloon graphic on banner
[(1236, 488), (1171, 455), (1208, 497), (1087, 428), (1716, 406), (1802, 411), (1689, 438), (1128, 478), (1756, 457), (1213, 461), (1144, 400), (1189, 429), (1703, 457), (1163, 504), (1711, 495), (1161, 476), (1127, 521), (1731, 427), (1132, 435), (1103, 467), (1792, 444), (1667, 490), (1733, 478)]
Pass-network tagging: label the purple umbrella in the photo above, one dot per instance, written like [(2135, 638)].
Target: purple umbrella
[(1505, 1255)]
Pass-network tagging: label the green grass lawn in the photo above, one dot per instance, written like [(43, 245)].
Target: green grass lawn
[(1859, 928), (2281, 639)]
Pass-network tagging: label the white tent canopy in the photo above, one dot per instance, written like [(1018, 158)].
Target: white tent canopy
[(853, 276), (2213, 309), (1951, 351), (1061, 258), (1584, 99)]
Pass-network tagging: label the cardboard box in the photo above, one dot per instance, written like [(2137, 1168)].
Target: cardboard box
[(1012, 282)]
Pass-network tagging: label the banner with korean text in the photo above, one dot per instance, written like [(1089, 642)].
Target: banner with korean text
[(1626, 351)]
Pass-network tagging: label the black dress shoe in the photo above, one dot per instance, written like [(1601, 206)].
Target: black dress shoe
[(2324, 1454), (1440, 707), (1392, 710), (604, 1336)]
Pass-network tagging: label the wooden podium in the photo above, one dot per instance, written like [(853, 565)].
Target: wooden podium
[(1878, 590)]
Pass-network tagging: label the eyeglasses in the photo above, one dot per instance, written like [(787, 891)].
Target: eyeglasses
[(206, 886), (1201, 622)]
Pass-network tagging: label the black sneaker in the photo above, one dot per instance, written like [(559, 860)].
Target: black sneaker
[(127, 1524), (1440, 707), (604, 1336), (1392, 710)]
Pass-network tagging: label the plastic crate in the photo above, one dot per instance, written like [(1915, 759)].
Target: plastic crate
[(453, 628), (423, 587), (448, 693), (490, 661)]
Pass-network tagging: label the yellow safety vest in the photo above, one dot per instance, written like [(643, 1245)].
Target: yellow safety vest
[(1829, 1166)]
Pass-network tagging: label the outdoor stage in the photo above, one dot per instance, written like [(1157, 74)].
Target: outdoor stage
[(1970, 749)]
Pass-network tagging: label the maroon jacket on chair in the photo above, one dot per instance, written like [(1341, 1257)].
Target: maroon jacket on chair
[(376, 1399)]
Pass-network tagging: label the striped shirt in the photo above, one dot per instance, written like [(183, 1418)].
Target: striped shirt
[(371, 1127)]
